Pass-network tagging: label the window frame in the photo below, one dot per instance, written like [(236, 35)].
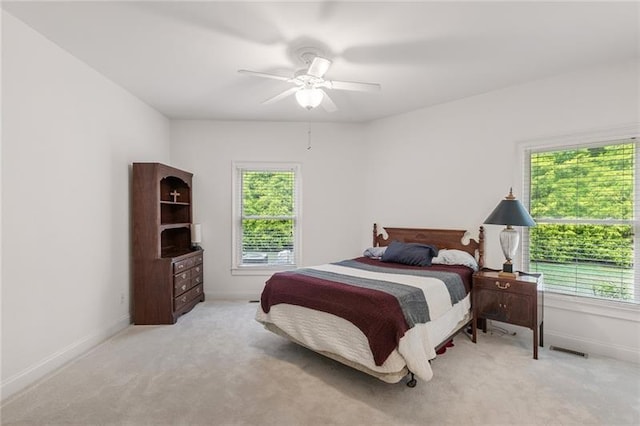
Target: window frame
[(585, 140), (237, 267)]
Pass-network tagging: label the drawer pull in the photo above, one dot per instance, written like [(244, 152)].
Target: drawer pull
[(198, 280), (180, 266), (197, 269), (184, 287), (184, 276), (183, 299), (502, 286), (197, 291)]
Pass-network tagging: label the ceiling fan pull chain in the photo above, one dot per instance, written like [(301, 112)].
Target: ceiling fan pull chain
[(309, 136)]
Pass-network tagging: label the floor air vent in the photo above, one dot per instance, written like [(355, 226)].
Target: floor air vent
[(568, 351)]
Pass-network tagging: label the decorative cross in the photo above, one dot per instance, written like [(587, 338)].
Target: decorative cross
[(175, 195)]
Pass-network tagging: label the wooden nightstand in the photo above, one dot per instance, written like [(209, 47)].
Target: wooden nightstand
[(517, 301)]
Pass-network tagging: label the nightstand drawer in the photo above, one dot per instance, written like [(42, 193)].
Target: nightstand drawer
[(501, 284)]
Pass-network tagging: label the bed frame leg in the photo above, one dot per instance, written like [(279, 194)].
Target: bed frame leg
[(412, 382)]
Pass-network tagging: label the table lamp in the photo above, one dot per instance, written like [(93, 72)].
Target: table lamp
[(509, 212), (196, 235)]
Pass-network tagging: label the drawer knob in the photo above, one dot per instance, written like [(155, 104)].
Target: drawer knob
[(184, 276), (197, 291), (184, 287), (180, 266), (502, 286), (183, 299)]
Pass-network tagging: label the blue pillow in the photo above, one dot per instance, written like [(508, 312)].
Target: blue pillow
[(414, 254)]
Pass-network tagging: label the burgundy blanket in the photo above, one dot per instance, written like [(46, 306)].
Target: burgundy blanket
[(377, 314)]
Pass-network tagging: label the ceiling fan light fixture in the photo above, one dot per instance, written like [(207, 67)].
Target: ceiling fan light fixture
[(309, 98)]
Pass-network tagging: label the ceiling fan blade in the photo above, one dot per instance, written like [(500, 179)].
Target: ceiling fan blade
[(353, 85), (327, 103), (319, 66), (265, 75), (282, 95)]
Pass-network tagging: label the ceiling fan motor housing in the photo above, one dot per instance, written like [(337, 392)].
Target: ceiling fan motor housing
[(308, 81)]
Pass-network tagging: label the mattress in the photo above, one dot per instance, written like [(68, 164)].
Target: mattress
[(339, 338)]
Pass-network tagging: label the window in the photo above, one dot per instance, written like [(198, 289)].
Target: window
[(266, 216), (584, 199)]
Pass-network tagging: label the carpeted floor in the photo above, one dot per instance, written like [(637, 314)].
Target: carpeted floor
[(217, 366)]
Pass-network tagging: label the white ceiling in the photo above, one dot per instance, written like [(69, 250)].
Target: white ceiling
[(182, 57)]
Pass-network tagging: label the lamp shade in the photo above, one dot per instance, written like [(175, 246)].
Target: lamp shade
[(510, 212)]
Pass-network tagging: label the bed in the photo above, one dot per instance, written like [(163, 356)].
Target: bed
[(386, 313)]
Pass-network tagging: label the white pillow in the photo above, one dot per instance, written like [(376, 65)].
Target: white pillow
[(374, 252), (455, 257)]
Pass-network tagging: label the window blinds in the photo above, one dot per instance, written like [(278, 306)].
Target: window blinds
[(268, 215), (583, 199)]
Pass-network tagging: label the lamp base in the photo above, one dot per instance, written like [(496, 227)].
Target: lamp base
[(507, 270)]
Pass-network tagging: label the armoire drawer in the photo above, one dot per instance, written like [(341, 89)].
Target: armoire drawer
[(185, 264), (187, 297)]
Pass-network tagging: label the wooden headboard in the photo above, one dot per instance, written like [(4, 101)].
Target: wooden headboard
[(441, 238)]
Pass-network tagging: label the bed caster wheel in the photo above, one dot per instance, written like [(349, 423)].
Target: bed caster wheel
[(412, 382)]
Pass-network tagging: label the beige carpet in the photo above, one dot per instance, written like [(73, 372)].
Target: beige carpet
[(217, 366)]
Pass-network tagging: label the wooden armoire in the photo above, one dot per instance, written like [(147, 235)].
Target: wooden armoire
[(167, 268)]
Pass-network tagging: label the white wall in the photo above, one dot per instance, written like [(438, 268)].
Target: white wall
[(69, 136), (465, 154), (451, 164), (332, 183)]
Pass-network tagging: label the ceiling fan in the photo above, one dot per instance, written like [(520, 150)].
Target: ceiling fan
[(310, 84)]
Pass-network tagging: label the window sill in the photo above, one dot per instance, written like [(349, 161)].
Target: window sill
[(261, 270), (606, 308)]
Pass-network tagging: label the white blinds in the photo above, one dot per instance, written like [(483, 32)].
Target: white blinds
[(583, 199)]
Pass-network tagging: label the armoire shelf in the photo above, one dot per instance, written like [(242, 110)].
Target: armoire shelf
[(174, 203), (174, 225)]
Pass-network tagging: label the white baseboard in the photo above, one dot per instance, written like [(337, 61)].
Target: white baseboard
[(31, 375), (230, 296), (591, 347), (580, 343)]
